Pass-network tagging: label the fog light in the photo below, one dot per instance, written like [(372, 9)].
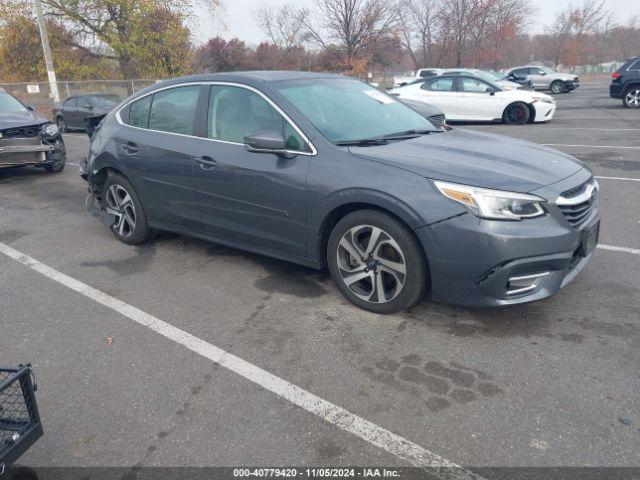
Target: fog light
[(526, 283)]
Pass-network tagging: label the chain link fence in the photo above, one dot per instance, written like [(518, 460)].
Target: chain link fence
[(38, 94)]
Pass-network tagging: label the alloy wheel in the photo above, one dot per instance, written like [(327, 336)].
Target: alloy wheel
[(61, 125), (632, 98), (556, 87), (120, 204), (516, 114), (371, 264)]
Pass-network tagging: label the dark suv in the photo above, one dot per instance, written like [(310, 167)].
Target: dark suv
[(625, 83)]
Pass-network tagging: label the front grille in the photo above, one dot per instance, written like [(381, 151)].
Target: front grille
[(22, 132), (437, 119), (577, 203)]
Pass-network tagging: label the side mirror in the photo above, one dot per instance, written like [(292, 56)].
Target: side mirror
[(265, 141), (490, 91), (31, 108)]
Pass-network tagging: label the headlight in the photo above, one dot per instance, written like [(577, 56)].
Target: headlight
[(50, 130), (493, 204)]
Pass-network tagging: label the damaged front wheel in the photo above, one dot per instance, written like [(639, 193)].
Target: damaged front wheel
[(121, 201)]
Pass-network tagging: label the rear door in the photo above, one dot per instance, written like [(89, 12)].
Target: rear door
[(441, 92), (257, 198), (477, 100), (69, 110), (158, 149)]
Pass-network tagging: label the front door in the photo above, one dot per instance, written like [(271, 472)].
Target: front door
[(477, 100), (258, 198), (440, 92)]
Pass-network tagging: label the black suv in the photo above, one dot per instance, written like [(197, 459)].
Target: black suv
[(625, 83)]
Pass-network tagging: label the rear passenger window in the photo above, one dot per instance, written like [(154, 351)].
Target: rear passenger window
[(174, 110), (635, 66), (440, 84), (139, 112)]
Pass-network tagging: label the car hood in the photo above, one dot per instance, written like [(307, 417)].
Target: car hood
[(565, 76), (475, 158), (20, 119)]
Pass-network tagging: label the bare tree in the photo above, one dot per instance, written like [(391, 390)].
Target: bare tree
[(284, 26), (350, 29), (421, 31)]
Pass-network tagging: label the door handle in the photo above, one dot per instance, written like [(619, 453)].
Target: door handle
[(129, 148), (206, 163)]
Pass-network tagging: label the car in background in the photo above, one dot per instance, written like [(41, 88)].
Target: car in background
[(488, 76), (327, 171), (524, 82), (545, 78), (471, 99), (625, 83), (27, 137), (430, 112), (419, 75), (73, 112)]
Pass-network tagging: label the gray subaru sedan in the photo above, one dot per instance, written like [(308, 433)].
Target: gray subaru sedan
[(327, 171)]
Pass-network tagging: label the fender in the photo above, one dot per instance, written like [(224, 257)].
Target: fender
[(323, 215)]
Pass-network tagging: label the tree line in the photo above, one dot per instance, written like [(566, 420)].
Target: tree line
[(124, 39)]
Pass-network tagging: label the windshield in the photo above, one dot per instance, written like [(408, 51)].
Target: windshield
[(9, 104), (547, 69), (105, 100), (350, 110)]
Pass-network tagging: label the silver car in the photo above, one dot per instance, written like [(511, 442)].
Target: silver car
[(544, 78)]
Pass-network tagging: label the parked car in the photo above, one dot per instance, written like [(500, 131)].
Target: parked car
[(324, 170), (73, 112), (427, 110), (544, 78), (499, 80), (625, 83), (420, 74), (466, 98), (524, 82), (28, 138)]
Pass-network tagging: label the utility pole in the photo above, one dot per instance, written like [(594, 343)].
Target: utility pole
[(48, 60)]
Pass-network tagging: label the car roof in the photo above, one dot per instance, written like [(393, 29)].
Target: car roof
[(266, 76)]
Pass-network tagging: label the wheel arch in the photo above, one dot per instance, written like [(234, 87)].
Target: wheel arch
[(344, 203)]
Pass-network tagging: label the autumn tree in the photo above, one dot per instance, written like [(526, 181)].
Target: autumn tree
[(116, 28), (220, 55), (284, 26), (21, 57), (351, 29)]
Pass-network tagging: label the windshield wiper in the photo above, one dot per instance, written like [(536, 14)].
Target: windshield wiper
[(384, 139), (363, 142)]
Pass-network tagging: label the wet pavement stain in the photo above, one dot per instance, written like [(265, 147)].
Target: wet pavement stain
[(440, 385), (140, 262), (282, 277), (9, 236)]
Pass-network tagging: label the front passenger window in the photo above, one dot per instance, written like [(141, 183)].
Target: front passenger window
[(235, 112)]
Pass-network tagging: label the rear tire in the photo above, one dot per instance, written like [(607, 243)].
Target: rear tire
[(62, 125), (557, 87), (516, 113), (55, 167), (120, 199), (631, 97), (384, 275)]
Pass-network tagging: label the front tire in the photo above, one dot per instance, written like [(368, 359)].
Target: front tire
[(55, 167), (516, 113), (376, 262), (120, 200), (631, 98), (557, 87)]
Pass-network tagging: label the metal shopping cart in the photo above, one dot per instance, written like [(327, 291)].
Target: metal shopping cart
[(20, 425)]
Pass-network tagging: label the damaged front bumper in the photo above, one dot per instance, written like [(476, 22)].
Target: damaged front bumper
[(34, 151)]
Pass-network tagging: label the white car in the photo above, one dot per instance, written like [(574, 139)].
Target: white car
[(467, 98), (484, 75)]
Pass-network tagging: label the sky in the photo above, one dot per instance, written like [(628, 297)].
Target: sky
[(236, 17)]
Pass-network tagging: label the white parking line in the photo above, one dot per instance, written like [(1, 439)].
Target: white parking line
[(633, 251), (619, 178), (338, 416), (588, 146)]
